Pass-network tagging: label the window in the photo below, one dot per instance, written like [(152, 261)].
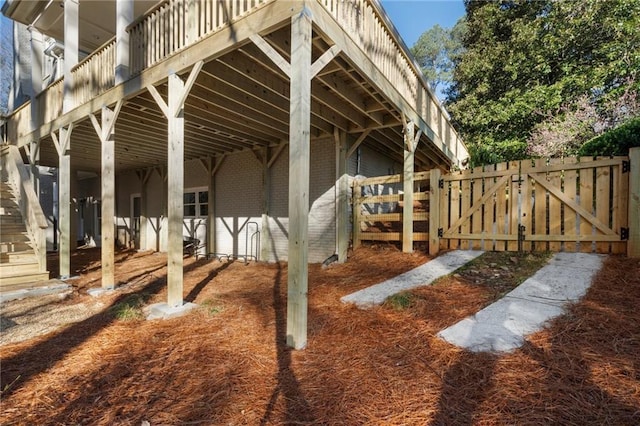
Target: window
[(195, 203)]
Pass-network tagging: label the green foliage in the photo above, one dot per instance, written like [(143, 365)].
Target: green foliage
[(524, 61), (435, 50), (400, 301), (211, 307), (130, 308), (615, 142)]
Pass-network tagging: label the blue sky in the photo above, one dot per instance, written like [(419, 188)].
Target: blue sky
[(413, 17)]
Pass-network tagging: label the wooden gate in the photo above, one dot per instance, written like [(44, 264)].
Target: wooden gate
[(569, 205)]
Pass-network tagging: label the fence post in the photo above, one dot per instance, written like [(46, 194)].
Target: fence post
[(357, 213), (434, 211), (633, 246)]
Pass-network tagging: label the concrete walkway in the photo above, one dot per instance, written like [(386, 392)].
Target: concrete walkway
[(503, 325), (420, 276)]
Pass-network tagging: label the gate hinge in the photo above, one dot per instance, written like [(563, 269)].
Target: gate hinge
[(624, 234), (441, 183), (440, 232), (626, 166)]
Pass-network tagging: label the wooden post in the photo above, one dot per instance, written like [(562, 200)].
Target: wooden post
[(71, 47), (434, 211), (174, 112), (342, 196), (214, 165), (63, 147), (144, 211), (265, 239), (37, 58), (633, 249), (356, 190), (106, 133), (124, 17), (175, 192), (299, 155), (407, 209)]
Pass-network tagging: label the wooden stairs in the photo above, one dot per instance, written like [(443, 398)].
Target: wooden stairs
[(18, 261)]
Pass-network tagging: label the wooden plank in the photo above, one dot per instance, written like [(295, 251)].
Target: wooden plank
[(501, 225), (497, 237), (489, 206), (476, 217), (357, 216), (299, 154), (556, 192), (633, 245), (603, 177), (392, 236), (443, 202), (513, 204), (407, 198), (108, 195), (554, 180), (586, 202), (526, 200), (620, 207), (434, 211), (454, 213), (465, 195), (175, 191), (64, 204), (265, 237), (578, 238), (342, 197), (570, 217), (393, 217), (379, 180)]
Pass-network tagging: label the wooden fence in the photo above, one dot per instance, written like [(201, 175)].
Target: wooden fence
[(378, 205), (575, 204)]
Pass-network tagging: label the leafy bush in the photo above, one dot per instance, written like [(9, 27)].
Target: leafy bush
[(615, 142)]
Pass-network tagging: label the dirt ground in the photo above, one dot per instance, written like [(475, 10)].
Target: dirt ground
[(227, 363)]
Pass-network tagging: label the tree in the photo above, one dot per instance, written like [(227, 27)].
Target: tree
[(526, 61), (435, 50)]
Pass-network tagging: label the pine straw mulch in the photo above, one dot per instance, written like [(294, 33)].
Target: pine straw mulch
[(227, 363)]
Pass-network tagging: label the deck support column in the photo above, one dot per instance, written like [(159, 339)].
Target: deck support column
[(265, 238), (144, 211), (342, 196), (174, 112), (299, 157), (212, 165), (410, 144), (124, 18), (63, 147), (71, 46), (106, 134)]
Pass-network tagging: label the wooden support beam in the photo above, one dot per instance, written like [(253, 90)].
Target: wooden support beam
[(342, 196), (212, 165), (323, 60), (633, 246), (272, 54), (434, 211), (106, 134), (357, 143), (299, 157), (276, 154), (407, 209), (144, 176), (265, 238), (63, 146)]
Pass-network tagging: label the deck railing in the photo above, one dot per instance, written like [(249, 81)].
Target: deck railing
[(175, 24), (371, 31), (95, 74)]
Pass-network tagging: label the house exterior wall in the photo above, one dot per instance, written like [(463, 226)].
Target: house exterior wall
[(238, 202)]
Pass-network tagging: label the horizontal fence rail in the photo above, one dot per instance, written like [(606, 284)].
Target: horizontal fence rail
[(575, 204), (378, 205)]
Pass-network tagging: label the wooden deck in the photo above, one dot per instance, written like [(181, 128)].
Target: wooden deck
[(241, 98)]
